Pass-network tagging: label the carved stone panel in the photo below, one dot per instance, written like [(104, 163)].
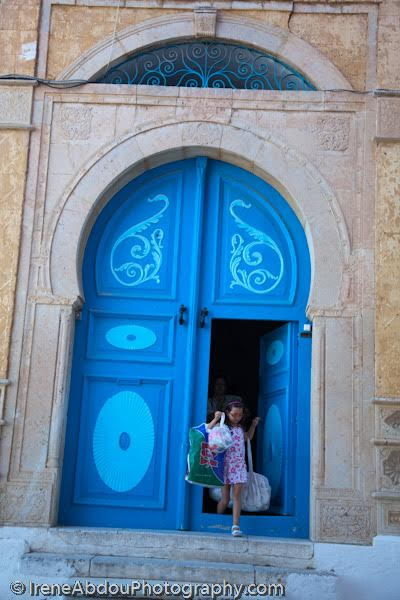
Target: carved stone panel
[(205, 18), (389, 466), (25, 503), (76, 122), (389, 517), (343, 521), (15, 105), (332, 133), (388, 125), (389, 422)]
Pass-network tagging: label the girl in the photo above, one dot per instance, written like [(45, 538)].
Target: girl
[(235, 472)]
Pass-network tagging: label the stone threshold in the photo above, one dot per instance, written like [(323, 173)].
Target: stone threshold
[(154, 544), (37, 564)]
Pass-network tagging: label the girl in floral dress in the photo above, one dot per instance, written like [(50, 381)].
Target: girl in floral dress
[(235, 472)]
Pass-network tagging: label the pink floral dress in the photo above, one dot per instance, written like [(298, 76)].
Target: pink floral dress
[(235, 466)]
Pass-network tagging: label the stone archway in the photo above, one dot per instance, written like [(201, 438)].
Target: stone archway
[(298, 181), (294, 176), (284, 45)]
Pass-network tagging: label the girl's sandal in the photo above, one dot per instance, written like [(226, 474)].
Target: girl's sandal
[(236, 531)]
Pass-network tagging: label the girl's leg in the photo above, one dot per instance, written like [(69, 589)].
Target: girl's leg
[(225, 496), (237, 502)]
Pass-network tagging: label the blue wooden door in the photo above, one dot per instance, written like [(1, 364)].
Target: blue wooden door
[(192, 235), (255, 266), (124, 435), (277, 431)]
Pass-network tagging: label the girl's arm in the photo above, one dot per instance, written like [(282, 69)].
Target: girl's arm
[(217, 416), (250, 433)]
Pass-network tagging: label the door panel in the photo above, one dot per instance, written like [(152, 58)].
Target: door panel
[(277, 429), (255, 266), (257, 259), (128, 384)]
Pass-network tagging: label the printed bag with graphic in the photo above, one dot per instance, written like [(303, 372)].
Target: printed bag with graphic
[(204, 467)]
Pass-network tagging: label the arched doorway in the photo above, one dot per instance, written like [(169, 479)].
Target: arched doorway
[(180, 238)]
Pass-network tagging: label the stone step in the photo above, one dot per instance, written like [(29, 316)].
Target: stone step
[(253, 550), (95, 568)]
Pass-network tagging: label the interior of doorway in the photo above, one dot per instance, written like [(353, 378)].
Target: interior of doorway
[(235, 356)]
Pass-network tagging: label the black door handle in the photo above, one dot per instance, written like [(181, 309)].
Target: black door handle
[(182, 310), (203, 314)]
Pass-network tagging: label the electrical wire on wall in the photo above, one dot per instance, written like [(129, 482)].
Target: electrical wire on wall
[(70, 83)]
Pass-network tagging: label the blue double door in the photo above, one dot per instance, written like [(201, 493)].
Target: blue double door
[(175, 250)]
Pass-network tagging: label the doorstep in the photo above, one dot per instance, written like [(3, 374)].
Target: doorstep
[(154, 544)]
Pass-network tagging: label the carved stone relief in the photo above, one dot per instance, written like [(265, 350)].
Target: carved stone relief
[(202, 133), (389, 516), (342, 521), (24, 503), (76, 122), (332, 133), (205, 18), (390, 468), (389, 118), (203, 111), (390, 422), (15, 106), (394, 517)]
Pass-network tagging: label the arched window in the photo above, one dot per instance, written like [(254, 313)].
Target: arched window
[(206, 64)]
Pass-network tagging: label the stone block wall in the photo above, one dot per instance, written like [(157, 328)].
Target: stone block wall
[(19, 22)]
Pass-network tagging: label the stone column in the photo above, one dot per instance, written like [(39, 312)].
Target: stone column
[(387, 343)]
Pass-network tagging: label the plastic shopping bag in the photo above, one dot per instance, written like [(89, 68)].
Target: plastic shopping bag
[(256, 494), (220, 437), (204, 467)]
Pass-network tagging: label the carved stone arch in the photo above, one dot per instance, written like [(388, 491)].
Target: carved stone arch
[(291, 173), (284, 45)]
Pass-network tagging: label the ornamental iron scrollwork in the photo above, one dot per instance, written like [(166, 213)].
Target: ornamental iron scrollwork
[(134, 272), (259, 280), (207, 64)]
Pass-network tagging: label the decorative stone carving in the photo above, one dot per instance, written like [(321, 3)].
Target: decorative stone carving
[(76, 122), (199, 110), (391, 467), (345, 522), (332, 133), (24, 503), (389, 118), (15, 105), (202, 133), (388, 422), (205, 19), (393, 420), (394, 517), (389, 516)]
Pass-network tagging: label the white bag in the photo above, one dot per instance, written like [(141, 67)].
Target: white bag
[(220, 437), (256, 494)]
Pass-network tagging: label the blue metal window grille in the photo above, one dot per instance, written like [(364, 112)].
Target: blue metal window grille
[(206, 64)]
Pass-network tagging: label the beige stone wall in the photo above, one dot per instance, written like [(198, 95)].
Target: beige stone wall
[(18, 40), (389, 45), (70, 35), (14, 146), (341, 38), (18, 32), (388, 270)]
